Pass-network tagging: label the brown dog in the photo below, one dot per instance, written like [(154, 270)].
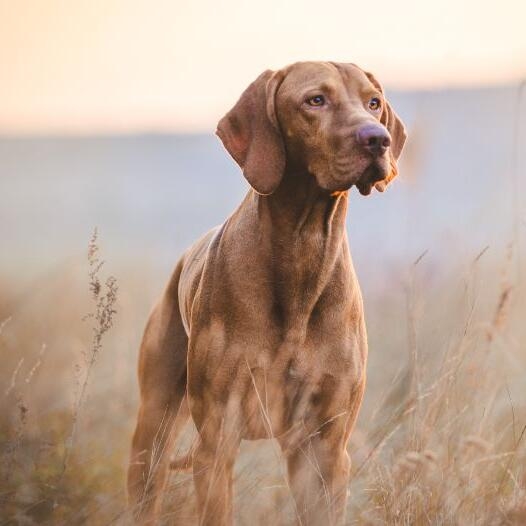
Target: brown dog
[(261, 328)]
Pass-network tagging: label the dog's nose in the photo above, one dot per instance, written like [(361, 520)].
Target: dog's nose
[(374, 138)]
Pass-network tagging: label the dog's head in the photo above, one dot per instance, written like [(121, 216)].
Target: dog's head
[(329, 119)]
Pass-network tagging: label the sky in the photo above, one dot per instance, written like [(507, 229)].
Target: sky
[(126, 66)]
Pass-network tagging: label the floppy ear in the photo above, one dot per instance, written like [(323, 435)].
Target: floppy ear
[(250, 133), (396, 129)]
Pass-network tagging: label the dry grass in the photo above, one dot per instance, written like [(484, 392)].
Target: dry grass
[(440, 439)]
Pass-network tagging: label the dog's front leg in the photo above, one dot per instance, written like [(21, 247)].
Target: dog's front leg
[(319, 466), (318, 475), (213, 481), (213, 464)]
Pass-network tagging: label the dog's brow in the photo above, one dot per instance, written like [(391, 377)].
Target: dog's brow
[(323, 87)]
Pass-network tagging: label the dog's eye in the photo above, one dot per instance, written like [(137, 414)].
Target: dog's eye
[(375, 104), (317, 100)]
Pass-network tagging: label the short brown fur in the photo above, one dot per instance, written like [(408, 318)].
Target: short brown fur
[(260, 332)]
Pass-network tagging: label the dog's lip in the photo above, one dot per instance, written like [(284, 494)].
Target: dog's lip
[(373, 176), (364, 188), (381, 185)]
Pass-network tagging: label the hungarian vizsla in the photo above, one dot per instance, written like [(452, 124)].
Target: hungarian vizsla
[(260, 332)]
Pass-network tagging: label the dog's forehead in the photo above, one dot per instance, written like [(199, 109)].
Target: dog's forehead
[(305, 75), (351, 72)]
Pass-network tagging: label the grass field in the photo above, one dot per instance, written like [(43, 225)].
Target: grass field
[(440, 438)]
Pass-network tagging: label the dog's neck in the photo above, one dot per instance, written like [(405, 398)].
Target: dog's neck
[(303, 235), (299, 204)]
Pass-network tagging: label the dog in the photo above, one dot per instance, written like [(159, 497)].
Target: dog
[(260, 332)]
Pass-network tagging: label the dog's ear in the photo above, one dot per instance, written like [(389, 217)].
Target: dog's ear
[(396, 129), (250, 132)]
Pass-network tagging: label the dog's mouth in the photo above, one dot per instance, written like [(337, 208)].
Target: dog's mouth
[(373, 176)]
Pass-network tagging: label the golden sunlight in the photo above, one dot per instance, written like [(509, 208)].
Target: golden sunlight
[(120, 66)]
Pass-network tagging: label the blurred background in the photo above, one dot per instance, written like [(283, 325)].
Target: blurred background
[(107, 119)]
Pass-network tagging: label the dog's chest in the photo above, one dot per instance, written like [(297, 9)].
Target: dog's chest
[(299, 385)]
